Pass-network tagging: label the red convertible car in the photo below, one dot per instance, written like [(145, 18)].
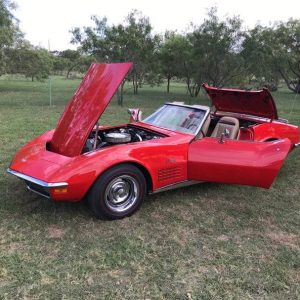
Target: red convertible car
[(240, 140)]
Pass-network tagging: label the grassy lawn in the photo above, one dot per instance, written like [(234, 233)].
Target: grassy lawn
[(208, 241)]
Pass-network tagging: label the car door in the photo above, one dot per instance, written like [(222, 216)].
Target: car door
[(238, 162)]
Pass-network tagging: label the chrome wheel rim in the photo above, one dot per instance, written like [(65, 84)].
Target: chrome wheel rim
[(121, 193)]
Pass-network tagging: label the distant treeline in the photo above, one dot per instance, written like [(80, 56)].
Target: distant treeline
[(218, 51)]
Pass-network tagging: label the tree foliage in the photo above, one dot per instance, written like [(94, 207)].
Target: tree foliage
[(217, 51), (9, 32), (172, 55), (288, 55), (215, 46), (33, 62), (273, 53), (70, 60), (131, 41), (258, 52)]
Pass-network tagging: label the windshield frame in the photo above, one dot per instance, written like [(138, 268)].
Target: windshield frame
[(206, 109)]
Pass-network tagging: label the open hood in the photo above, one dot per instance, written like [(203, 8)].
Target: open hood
[(255, 103), (86, 106)]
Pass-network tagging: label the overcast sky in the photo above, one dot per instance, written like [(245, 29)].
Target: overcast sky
[(43, 20)]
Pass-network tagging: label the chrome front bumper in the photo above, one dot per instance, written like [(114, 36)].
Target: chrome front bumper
[(37, 186)]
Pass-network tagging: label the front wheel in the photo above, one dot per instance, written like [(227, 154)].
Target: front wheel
[(118, 192)]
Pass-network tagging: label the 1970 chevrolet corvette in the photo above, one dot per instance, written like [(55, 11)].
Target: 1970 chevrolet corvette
[(240, 140)]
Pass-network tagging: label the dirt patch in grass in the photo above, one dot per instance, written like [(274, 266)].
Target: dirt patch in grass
[(284, 238), (278, 236), (269, 223), (223, 238), (46, 280), (14, 247), (297, 276), (55, 232)]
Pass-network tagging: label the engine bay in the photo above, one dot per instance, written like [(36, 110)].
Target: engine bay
[(118, 135)]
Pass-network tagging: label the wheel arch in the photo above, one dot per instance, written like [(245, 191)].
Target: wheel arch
[(142, 168), (147, 175)]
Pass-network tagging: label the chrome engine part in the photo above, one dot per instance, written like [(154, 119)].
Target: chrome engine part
[(121, 135), (117, 137)]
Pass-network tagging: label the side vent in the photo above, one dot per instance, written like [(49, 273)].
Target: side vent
[(169, 173)]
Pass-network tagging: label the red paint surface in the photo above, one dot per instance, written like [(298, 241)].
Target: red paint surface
[(172, 159), (239, 162), (256, 103), (156, 156), (87, 105), (268, 131)]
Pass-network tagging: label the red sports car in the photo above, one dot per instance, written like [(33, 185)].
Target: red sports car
[(239, 140)]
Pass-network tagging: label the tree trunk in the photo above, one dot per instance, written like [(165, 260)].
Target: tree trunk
[(189, 88), (136, 87), (168, 85), (295, 88), (120, 93), (32, 78), (197, 89), (71, 69), (135, 84)]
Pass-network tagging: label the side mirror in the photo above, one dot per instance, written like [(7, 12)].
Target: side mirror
[(135, 115), (225, 134)]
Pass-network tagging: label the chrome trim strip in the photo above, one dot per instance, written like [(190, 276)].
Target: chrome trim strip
[(200, 107), (36, 192), (176, 186), (297, 145), (37, 181)]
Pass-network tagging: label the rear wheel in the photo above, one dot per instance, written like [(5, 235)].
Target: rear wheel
[(118, 192)]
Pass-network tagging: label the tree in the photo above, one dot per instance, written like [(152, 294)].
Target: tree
[(59, 63), (131, 41), (33, 62), (141, 47), (288, 56), (258, 50), (171, 56), (9, 32), (274, 52), (216, 47), (72, 59)]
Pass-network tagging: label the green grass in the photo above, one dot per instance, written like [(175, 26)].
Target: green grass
[(208, 241)]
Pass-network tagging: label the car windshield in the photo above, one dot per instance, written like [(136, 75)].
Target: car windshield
[(180, 118)]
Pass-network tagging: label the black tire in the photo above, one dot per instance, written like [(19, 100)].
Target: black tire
[(118, 192)]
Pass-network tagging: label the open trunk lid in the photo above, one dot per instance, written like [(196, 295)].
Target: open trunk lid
[(255, 103)]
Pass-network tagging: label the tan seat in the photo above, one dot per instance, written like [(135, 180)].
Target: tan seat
[(229, 123), (206, 125), (204, 128)]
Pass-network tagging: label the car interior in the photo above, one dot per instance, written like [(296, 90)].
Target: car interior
[(215, 126)]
